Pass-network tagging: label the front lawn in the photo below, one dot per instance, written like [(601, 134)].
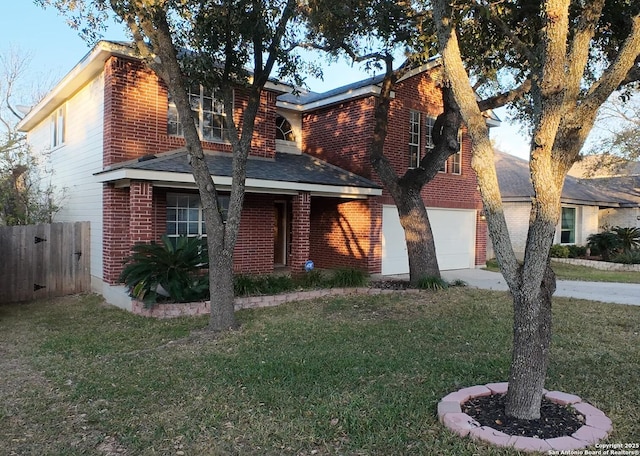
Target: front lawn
[(565, 271), (342, 375)]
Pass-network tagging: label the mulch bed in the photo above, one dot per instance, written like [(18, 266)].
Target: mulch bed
[(555, 420), (391, 284)]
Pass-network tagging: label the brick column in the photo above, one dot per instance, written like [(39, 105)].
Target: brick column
[(374, 258), (115, 235), (141, 212), (301, 210)]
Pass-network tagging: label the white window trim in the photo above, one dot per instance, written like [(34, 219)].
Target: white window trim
[(414, 138), (57, 127), (574, 229), (457, 161), (223, 203), (200, 115)]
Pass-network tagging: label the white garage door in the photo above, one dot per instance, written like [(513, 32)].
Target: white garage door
[(453, 232)]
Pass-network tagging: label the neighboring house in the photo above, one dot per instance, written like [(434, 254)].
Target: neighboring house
[(117, 146), (586, 207), (621, 179)]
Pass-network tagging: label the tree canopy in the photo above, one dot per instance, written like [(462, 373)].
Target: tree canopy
[(574, 60)]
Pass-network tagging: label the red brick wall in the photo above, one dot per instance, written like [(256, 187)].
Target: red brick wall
[(300, 232), (115, 238), (254, 249), (346, 233), (329, 135), (135, 122), (341, 134), (141, 217)]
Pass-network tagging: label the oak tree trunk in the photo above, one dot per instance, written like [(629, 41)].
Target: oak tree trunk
[(530, 356), (406, 189), (421, 247)]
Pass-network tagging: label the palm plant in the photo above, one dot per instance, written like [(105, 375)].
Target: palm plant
[(629, 237), (170, 270), (606, 243)]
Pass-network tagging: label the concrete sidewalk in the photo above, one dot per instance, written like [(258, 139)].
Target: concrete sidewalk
[(618, 293)]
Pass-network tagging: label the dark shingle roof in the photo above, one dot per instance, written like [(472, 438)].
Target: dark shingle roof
[(284, 168), (515, 185), (312, 97)]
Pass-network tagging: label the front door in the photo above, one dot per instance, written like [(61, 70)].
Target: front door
[(280, 233)]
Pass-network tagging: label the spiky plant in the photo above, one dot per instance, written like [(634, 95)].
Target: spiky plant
[(170, 270), (629, 237)]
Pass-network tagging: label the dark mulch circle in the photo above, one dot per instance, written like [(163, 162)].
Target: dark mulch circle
[(555, 420), (391, 284)]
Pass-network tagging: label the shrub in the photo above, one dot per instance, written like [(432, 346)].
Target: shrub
[(632, 257), (311, 279), (605, 243), (432, 283), (559, 251), (577, 251), (170, 271), (246, 285), (629, 237), (493, 263), (348, 277)]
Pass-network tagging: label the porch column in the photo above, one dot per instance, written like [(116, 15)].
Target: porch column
[(141, 212), (300, 229)]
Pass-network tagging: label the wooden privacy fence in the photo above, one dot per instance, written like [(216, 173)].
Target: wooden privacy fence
[(43, 261)]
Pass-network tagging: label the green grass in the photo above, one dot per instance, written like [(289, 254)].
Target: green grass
[(565, 271), (340, 376)]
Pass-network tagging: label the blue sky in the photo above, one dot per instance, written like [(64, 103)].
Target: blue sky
[(55, 49)]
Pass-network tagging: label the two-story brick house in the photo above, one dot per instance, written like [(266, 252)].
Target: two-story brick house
[(117, 148)]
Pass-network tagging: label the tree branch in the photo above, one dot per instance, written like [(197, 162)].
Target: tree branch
[(504, 98)]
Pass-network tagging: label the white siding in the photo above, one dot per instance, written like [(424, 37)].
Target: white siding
[(625, 217), (587, 223), (75, 162), (517, 218)]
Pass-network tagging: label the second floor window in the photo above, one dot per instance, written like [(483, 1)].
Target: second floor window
[(208, 111), (414, 139), (431, 121), (57, 130), (456, 159), (284, 131)]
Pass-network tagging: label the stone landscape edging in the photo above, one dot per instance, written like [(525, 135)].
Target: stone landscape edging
[(602, 265), (174, 310), (596, 427)]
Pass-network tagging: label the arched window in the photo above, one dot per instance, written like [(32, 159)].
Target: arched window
[(283, 129)]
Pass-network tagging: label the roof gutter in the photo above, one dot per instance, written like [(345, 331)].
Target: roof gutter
[(122, 178)]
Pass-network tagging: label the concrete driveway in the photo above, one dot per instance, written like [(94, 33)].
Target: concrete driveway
[(618, 293)]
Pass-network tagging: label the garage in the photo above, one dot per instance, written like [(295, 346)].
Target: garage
[(453, 232)]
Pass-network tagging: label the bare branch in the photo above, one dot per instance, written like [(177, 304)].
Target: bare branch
[(505, 98)]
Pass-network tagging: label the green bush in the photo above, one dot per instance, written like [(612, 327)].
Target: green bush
[(577, 251), (348, 277), (311, 279), (246, 285), (632, 257), (167, 271), (559, 251), (606, 244), (629, 237), (432, 283)]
